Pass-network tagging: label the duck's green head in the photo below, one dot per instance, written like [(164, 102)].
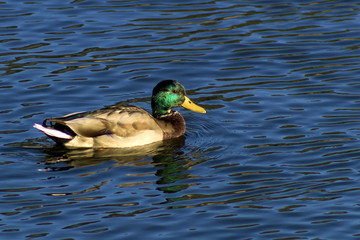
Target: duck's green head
[(168, 94)]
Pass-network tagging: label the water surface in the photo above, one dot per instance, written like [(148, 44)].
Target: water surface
[(275, 157)]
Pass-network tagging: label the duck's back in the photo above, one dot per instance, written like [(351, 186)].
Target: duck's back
[(112, 126)]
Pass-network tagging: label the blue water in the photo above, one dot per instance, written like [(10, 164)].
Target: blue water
[(275, 157)]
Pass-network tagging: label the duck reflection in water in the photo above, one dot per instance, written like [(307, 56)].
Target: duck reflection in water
[(168, 157), (82, 157)]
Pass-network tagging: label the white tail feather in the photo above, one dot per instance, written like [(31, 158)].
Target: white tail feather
[(52, 132)]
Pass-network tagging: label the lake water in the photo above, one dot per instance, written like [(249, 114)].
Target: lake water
[(277, 156)]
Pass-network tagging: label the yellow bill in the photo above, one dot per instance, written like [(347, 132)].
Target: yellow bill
[(188, 104)]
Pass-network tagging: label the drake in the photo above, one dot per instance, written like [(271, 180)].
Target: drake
[(121, 126)]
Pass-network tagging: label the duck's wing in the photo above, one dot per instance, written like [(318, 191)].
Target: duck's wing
[(121, 121)]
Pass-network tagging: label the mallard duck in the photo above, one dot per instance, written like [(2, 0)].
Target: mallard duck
[(120, 126)]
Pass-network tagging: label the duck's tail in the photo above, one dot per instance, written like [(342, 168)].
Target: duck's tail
[(51, 132)]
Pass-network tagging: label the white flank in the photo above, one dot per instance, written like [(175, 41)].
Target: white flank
[(52, 132)]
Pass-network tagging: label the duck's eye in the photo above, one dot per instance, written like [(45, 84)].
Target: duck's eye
[(174, 91)]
